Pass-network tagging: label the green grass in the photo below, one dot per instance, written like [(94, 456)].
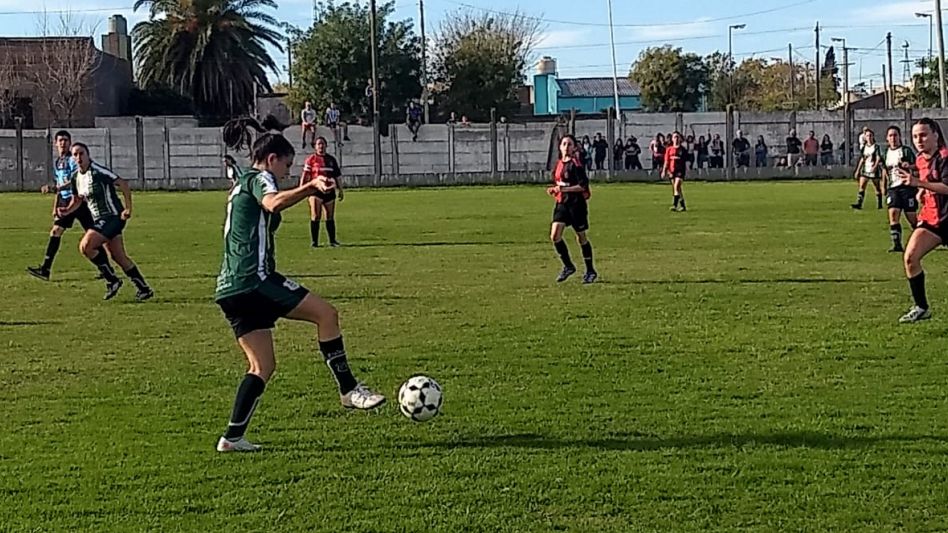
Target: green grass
[(739, 367)]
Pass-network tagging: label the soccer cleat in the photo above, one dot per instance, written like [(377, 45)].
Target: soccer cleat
[(239, 445), (111, 289), (915, 314), (856, 206), (897, 249), (590, 277), (315, 245), (565, 274), (673, 208), (335, 244), (144, 294), (38, 272), (361, 398)]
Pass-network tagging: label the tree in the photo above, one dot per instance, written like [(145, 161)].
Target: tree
[(10, 79), (332, 61), (212, 51), (670, 80), (479, 61), (925, 85)]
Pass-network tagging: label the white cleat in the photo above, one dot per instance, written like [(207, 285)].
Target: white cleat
[(239, 445), (361, 398), (915, 314)]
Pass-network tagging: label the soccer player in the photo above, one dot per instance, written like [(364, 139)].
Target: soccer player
[(94, 186), (674, 169), (253, 295), (321, 164), (932, 229), (867, 169), (64, 167), (899, 197), (571, 191)]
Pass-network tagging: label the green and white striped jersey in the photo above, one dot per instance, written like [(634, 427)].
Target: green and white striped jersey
[(97, 187), (248, 235)]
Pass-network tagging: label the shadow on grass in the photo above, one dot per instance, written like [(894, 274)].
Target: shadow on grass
[(19, 323), (432, 244), (646, 442), (775, 281)]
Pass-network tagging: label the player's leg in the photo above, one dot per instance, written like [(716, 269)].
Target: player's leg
[(877, 185), (560, 220), (52, 248), (922, 241), (677, 191), (116, 248), (895, 223), (583, 239), (315, 212), (92, 246), (315, 310), (257, 346), (861, 192), (330, 208)]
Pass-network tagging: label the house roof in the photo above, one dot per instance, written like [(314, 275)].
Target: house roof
[(596, 87)]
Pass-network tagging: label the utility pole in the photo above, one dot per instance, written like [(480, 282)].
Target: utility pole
[(885, 87), (941, 55), (730, 60), (890, 88), (424, 61), (289, 59), (376, 139), (906, 64), (793, 102), (818, 67), (615, 74)]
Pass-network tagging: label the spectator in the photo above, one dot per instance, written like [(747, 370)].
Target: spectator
[(367, 107), (632, 153), (453, 119), (701, 152), (793, 148), (618, 150), (689, 145), (308, 124), (826, 151), (657, 148), (465, 122), (413, 116), (760, 152), (811, 150), (600, 149), (741, 148), (587, 151), (716, 159), (332, 120)]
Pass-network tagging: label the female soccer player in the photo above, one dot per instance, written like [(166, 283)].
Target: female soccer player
[(676, 157), (867, 169), (571, 190), (932, 229), (899, 197), (253, 295), (321, 164), (94, 186)]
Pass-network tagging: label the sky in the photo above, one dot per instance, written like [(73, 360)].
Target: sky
[(576, 33)]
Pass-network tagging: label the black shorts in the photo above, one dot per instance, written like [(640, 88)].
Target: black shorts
[(678, 174), (325, 197), (574, 214), (109, 227), (260, 308), (942, 233), (903, 198), (82, 215)]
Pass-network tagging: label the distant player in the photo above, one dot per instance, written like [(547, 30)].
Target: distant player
[(900, 198), (253, 295), (571, 191), (932, 229), (323, 165), (94, 186), (63, 167), (674, 169), (869, 168)]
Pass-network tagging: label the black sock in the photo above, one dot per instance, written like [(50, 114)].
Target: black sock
[(676, 201), (335, 353), (860, 197), (895, 230), (681, 200), (314, 231), (917, 284), (563, 250), (101, 261), (331, 229), (51, 248), (879, 200), (588, 256), (136, 277), (248, 395)]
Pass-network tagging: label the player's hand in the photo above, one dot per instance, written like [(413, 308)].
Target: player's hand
[(908, 178), (126, 214), (324, 184), (342, 195), (551, 191)]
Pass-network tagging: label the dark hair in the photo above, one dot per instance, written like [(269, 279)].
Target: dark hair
[(932, 125), (567, 136), (62, 133), (237, 136), (83, 145), (896, 128), (320, 138)]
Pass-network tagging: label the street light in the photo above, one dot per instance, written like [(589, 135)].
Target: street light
[(931, 32), (730, 59), (847, 125), (845, 68)]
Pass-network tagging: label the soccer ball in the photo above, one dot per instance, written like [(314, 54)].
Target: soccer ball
[(420, 398)]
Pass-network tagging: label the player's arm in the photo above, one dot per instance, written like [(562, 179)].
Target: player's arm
[(264, 189), (937, 187), (55, 201), (74, 201), (337, 178), (583, 180)]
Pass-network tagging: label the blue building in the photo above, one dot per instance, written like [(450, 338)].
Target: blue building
[(553, 96)]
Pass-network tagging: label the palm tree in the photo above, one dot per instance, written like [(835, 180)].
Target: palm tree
[(210, 50)]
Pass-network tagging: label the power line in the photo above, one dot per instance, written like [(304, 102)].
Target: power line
[(657, 41)]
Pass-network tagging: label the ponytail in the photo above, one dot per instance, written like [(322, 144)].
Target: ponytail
[(237, 132)]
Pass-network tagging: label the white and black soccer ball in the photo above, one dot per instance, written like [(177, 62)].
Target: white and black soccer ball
[(420, 398)]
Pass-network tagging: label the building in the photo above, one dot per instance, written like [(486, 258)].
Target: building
[(65, 81), (553, 95)]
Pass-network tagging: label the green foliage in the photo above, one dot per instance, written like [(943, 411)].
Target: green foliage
[(925, 85), (213, 51), (670, 80), (158, 100), (332, 61), (761, 85)]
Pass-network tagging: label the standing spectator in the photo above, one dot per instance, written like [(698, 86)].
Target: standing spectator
[(600, 149), (308, 124), (632, 153), (657, 148), (413, 116), (618, 151), (689, 145), (367, 106), (760, 152), (793, 148), (826, 151), (587, 152), (716, 159), (811, 150), (701, 151), (741, 147)]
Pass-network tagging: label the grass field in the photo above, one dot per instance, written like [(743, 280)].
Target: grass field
[(738, 367)]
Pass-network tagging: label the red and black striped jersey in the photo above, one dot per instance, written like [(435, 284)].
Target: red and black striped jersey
[(934, 169)]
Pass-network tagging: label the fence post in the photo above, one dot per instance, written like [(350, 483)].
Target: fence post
[(848, 134), (140, 152), (108, 146), (393, 136), (793, 120), (49, 154), (493, 142), (680, 122), (572, 122), (907, 131), (451, 163), (729, 152), (506, 146), (166, 153), (20, 166)]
